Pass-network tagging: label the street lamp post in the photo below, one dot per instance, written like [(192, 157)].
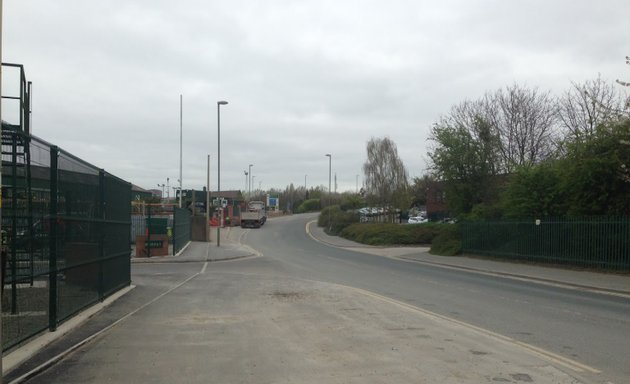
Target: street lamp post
[(329, 190), (249, 192), (208, 202), (162, 196), (180, 148), (219, 104), (246, 182)]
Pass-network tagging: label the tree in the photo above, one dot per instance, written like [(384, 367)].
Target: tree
[(464, 162), (385, 175), (596, 173), (418, 190), (525, 121), (626, 84), (587, 106), (535, 192)]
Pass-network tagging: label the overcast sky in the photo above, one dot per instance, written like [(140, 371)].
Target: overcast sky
[(302, 78)]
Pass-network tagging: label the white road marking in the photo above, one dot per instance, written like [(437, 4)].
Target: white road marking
[(547, 355)]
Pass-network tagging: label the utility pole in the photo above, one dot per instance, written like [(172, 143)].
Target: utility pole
[(219, 104)]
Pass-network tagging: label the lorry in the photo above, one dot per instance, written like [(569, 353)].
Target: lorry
[(254, 216)]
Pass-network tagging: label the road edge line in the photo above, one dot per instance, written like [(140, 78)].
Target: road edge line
[(540, 352)]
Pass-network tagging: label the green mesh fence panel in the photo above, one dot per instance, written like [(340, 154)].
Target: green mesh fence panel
[(66, 230), (181, 229)]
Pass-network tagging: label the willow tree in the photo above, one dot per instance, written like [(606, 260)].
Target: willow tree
[(386, 179)]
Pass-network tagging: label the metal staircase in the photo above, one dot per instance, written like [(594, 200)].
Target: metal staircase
[(18, 226)]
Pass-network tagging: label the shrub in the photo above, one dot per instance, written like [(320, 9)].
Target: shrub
[(334, 220), (391, 234), (310, 205), (448, 242)]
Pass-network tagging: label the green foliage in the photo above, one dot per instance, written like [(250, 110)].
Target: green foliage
[(465, 158), (483, 211), (350, 201), (391, 234), (535, 192), (592, 179), (334, 220), (596, 173), (418, 190), (310, 205), (448, 241)]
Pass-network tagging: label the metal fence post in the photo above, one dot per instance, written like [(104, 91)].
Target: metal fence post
[(52, 268), (148, 242), (174, 231), (14, 204)]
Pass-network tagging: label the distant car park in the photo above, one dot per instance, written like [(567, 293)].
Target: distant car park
[(417, 220)]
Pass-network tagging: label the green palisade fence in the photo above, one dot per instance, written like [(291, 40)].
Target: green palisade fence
[(593, 242)]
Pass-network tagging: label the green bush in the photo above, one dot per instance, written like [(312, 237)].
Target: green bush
[(448, 241), (334, 220), (391, 234), (310, 205)]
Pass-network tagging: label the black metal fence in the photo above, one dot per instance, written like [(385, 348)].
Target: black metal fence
[(596, 242), (182, 229), (65, 227)]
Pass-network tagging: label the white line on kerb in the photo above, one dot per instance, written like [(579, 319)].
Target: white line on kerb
[(547, 355), (78, 345)]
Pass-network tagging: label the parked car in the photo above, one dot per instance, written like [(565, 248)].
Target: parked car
[(417, 220)]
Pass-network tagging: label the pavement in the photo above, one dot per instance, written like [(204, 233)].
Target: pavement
[(230, 248), (603, 282)]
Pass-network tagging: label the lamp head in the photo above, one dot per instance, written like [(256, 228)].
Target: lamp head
[(222, 102)]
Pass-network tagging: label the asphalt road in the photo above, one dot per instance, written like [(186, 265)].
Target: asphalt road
[(590, 328), (307, 312)]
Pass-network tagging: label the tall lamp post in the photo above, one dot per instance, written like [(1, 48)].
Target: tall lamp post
[(162, 196), (208, 202), (249, 192), (219, 104), (329, 190), (246, 182), (180, 148)]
